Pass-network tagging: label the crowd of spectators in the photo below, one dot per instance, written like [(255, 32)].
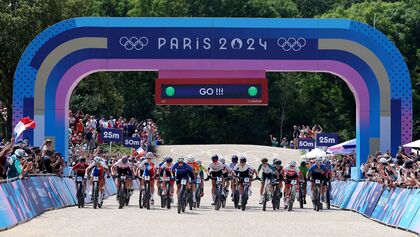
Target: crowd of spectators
[(299, 131), (21, 159), (84, 131)]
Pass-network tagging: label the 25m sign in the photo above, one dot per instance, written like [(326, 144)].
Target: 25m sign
[(111, 135), (326, 139)]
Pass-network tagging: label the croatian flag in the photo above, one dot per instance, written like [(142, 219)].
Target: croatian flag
[(24, 124)]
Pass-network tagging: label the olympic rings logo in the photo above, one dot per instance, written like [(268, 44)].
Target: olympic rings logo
[(291, 43), (133, 42)]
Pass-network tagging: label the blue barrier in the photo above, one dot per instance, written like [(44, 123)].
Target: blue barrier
[(398, 207), (22, 200)]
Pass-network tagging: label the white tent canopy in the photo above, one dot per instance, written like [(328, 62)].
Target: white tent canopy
[(415, 144), (315, 153)]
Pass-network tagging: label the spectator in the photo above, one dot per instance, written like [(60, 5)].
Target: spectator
[(274, 141), (284, 143), (296, 134)]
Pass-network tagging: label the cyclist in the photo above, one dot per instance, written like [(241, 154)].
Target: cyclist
[(80, 170), (148, 168), (122, 168), (201, 172), (317, 171), (279, 169), (304, 170), (182, 171), (268, 172), (165, 170), (234, 162), (226, 175), (291, 172), (328, 175), (215, 170), (243, 170), (98, 168), (196, 169)]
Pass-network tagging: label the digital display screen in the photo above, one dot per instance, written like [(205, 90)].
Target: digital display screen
[(250, 91)]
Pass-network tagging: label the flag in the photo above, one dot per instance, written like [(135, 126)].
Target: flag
[(23, 124), (140, 151)]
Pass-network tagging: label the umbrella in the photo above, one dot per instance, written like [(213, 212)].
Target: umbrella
[(347, 147), (315, 153), (415, 144)]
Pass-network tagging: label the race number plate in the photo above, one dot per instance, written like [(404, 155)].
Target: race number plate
[(95, 178), (199, 181), (122, 178), (246, 180), (79, 179), (293, 182), (317, 181), (183, 181), (146, 178), (219, 179), (267, 181)]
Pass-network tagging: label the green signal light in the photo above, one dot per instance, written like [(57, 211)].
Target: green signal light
[(170, 91), (252, 91)]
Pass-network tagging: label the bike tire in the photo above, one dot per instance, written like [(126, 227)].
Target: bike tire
[(265, 201), (95, 195), (328, 196), (198, 197), (122, 195), (146, 200), (168, 196), (301, 197), (274, 200), (236, 199), (127, 197), (180, 200), (190, 199), (141, 196), (80, 197), (244, 199), (184, 203), (317, 197), (291, 199), (217, 201)]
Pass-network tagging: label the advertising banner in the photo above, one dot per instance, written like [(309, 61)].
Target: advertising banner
[(410, 209), (361, 198), (415, 223), (72, 188), (347, 194), (35, 199), (20, 209), (371, 200), (389, 207), (62, 191), (7, 216), (382, 203), (396, 211), (355, 195), (42, 192)]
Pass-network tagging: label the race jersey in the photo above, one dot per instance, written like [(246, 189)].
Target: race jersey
[(227, 169), (194, 166), (121, 165), (216, 166), (291, 172), (317, 172), (266, 169), (232, 165), (147, 167), (80, 168), (243, 168), (303, 170), (181, 169)]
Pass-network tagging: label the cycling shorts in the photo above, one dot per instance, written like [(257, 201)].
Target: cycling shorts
[(215, 174)]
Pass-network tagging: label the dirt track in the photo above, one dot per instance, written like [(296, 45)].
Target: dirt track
[(110, 221)]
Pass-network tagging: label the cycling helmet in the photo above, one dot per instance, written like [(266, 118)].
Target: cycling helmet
[(234, 159), (98, 159), (180, 159), (215, 158), (82, 159), (318, 159), (278, 162), (274, 160), (168, 159), (150, 155), (198, 162), (190, 159), (292, 163), (20, 152), (303, 163), (124, 159), (264, 160), (222, 160), (242, 159)]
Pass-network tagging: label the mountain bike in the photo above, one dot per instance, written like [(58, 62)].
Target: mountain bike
[(317, 195), (218, 193), (267, 195), (276, 195), (96, 198), (80, 194), (198, 191), (123, 192), (292, 196), (166, 193), (146, 195), (182, 196)]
